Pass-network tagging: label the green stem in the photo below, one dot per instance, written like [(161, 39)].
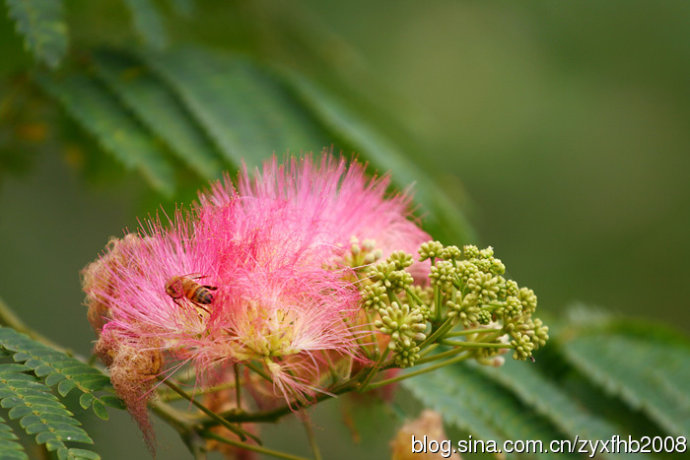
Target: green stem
[(370, 322), (242, 445), (181, 422), (236, 368), (448, 362), (172, 396), (437, 303), (258, 371), (237, 430), (274, 414), (375, 369), (471, 331), (438, 356), (442, 329), (312, 439), (457, 343), (427, 350), (411, 294)]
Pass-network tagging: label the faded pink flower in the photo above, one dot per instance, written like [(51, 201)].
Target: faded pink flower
[(272, 250)]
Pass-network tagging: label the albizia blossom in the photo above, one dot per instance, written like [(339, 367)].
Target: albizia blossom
[(272, 251)]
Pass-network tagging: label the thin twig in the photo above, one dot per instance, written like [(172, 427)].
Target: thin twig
[(442, 329), (312, 439), (471, 331), (459, 343), (243, 434), (448, 362), (242, 445), (238, 396)]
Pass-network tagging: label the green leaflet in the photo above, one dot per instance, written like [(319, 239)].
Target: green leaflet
[(56, 368), (476, 404), (39, 413), (246, 112), (9, 446), (148, 23), (159, 109), (115, 129), (544, 397), (650, 375), (445, 220), (42, 24)]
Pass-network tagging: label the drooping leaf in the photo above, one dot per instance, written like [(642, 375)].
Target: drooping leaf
[(42, 24), (39, 412), (148, 23), (158, 108), (247, 113), (9, 445), (650, 375), (544, 397), (101, 115), (57, 368), (444, 218), (476, 404)]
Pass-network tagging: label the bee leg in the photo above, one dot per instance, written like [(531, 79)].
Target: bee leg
[(198, 305), (213, 288)]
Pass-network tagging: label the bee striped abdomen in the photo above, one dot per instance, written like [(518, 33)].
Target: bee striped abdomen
[(202, 295), (179, 287)]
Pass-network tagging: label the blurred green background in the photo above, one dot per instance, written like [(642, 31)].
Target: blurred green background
[(562, 129)]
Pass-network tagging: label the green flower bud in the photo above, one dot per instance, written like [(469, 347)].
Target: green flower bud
[(400, 260), (374, 296), (430, 250), (471, 251), (528, 299), (451, 253), (484, 316), (443, 273)]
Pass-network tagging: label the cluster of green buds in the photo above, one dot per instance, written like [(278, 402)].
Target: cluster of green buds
[(362, 253), (465, 306)]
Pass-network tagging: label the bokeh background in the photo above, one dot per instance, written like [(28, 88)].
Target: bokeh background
[(561, 128)]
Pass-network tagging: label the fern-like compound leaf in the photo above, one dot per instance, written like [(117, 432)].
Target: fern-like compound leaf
[(476, 404), (158, 108), (9, 445), (40, 413), (247, 113), (64, 371), (544, 396), (117, 131), (649, 375), (42, 24), (148, 23)]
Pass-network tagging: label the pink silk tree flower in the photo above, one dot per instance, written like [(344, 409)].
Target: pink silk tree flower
[(282, 229), (255, 273)]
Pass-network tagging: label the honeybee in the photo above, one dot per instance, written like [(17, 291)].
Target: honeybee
[(178, 287)]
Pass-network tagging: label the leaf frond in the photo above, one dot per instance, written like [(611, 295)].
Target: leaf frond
[(56, 368), (40, 413), (101, 115), (42, 24)]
